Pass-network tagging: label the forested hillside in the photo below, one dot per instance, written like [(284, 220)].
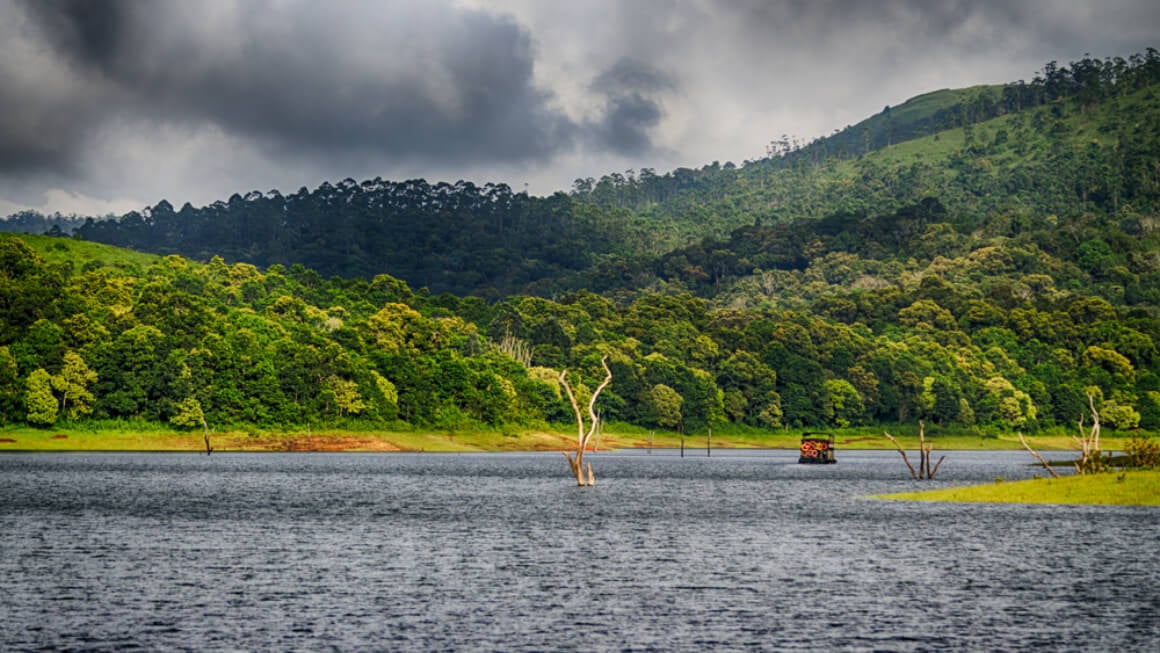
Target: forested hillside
[(460, 238), (1078, 141), (984, 258), (174, 340)]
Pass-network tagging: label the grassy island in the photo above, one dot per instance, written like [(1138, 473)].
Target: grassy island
[(1132, 488)]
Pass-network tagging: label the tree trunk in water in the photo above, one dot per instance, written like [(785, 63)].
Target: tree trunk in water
[(925, 471), (905, 458), (205, 431), (576, 462), (1090, 460)]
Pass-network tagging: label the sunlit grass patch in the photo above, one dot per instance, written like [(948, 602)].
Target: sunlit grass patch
[(1133, 488)]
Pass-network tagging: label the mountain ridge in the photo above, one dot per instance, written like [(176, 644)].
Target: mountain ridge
[(620, 213), (490, 241)]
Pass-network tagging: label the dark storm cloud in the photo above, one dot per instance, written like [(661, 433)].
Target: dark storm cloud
[(92, 32), (632, 108), (40, 137), (46, 111), (471, 99), (410, 81), (104, 100)]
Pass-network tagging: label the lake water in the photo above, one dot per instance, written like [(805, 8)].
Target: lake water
[(737, 551)]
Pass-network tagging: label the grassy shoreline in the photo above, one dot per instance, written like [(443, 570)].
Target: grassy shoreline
[(1129, 488), (149, 437)]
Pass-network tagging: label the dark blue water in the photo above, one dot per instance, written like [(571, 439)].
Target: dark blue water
[(740, 551)]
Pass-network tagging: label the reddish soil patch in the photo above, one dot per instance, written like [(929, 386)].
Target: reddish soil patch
[(865, 439), (336, 443), (7, 440), (60, 436)]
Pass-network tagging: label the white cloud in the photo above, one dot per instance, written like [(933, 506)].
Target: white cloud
[(66, 202)]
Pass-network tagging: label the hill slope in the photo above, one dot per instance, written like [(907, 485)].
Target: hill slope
[(1078, 141)]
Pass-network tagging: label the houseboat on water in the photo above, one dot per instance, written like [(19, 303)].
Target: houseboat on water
[(817, 449)]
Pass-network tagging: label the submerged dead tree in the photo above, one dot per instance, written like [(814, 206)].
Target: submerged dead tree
[(925, 471), (205, 436), (576, 462), (190, 415), (1090, 458)]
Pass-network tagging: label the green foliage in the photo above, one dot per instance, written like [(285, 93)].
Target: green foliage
[(843, 405), (72, 384), (1150, 410), (188, 414), (447, 237), (344, 395), (1119, 416), (11, 388), (663, 405), (39, 401), (1143, 452)]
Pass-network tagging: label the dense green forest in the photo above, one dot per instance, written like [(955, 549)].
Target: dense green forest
[(982, 258)]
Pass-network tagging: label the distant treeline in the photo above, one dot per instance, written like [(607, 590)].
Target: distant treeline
[(457, 238)]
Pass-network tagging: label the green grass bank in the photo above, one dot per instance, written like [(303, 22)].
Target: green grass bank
[(127, 436), (1131, 488)]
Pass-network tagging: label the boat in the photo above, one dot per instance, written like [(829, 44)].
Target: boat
[(817, 449)]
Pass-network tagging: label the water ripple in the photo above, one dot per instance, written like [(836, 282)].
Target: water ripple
[(741, 551)]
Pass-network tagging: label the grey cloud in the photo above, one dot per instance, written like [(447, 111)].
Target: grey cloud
[(632, 76), (53, 106), (975, 27), (626, 124), (632, 106), (52, 85), (41, 137), (119, 98), (810, 18), (414, 81), (470, 100), (90, 32)]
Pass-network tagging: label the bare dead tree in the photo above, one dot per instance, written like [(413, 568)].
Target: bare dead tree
[(905, 458), (205, 435), (576, 462), (518, 350), (924, 452), (1090, 459), (1038, 457)]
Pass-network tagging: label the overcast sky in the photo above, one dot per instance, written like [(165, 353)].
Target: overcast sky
[(109, 106)]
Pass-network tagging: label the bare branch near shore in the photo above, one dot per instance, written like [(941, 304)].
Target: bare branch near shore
[(1037, 456)]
